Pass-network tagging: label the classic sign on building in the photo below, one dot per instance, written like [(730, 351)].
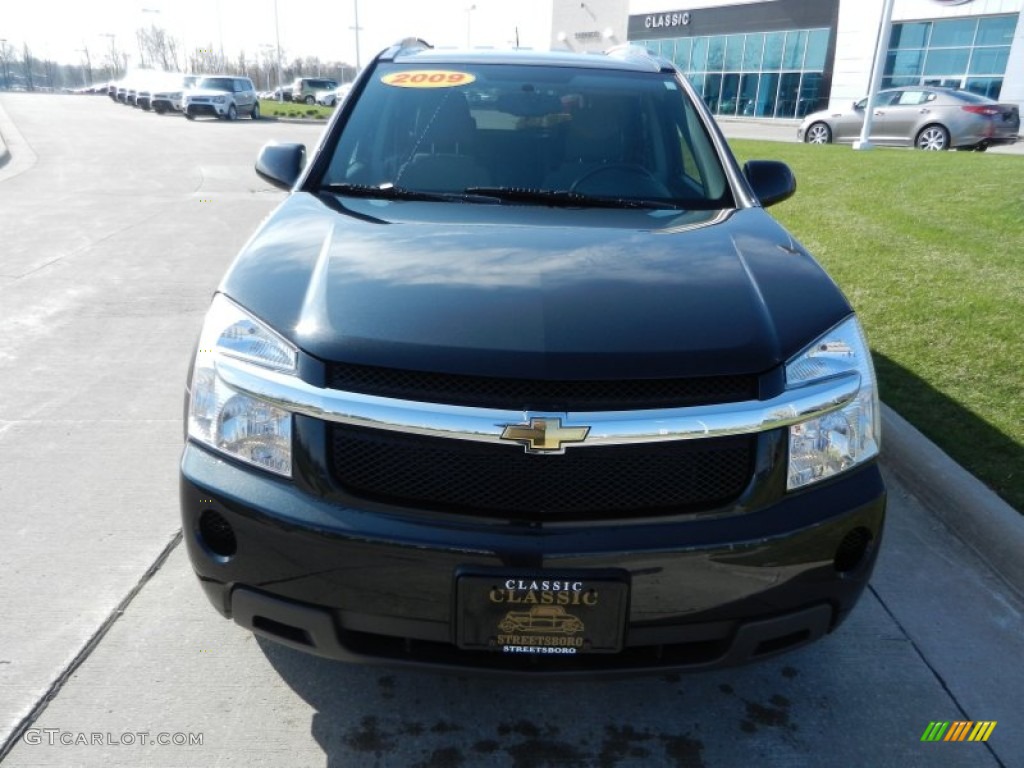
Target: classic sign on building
[(790, 58), (660, 20)]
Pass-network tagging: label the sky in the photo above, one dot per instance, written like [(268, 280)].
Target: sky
[(60, 29)]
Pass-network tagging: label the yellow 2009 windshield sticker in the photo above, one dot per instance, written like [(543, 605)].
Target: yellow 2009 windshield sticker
[(428, 78)]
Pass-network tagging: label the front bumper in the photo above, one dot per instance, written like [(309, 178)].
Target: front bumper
[(206, 109), (372, 583)]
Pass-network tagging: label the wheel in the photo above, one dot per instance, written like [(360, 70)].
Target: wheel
[(818, 133), (933, 137), (160, 109), (255, 114), (310, 100), (232, 112), (654, 187), (189, 116)]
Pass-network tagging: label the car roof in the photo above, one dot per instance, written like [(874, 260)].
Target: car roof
[(629, 58), (956, 93)]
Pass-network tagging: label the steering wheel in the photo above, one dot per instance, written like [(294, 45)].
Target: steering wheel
[(629, 169)]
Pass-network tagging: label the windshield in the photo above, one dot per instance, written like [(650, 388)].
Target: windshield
[(216, 83), (591, 132)]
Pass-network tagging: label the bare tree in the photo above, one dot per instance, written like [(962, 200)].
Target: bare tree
[(26, 67), (207, 60), (173, 50), (313, 65), (84, 50), (158, 48), (116, 60), (6, 57), (53, 81)]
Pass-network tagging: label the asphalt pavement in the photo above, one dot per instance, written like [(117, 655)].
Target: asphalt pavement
[(115, 226)]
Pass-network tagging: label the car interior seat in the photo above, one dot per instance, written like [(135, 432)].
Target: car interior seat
[(443, 158), (600, 156)]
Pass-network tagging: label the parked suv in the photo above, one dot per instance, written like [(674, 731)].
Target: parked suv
[(304, 89), (170, 96), (223, 96), (523, 336)]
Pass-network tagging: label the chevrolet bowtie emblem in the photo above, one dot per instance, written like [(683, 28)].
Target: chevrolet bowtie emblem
[(544, 435)]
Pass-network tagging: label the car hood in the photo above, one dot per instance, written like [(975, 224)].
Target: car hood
[(534, 292)]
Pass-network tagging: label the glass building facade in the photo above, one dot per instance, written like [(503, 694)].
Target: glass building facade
[(968, 53), (760, 74)]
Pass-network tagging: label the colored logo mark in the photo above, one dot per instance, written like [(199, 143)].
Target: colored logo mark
[(960, 730)]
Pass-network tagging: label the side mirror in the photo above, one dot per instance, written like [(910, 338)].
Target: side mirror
[(281, 164), (859, 105), (770, 180)]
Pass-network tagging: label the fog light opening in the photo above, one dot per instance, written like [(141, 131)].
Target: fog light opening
[(216, 534), (852, 549), (282, 631), (777, 644)]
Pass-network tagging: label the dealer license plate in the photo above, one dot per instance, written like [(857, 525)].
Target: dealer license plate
[(542, 612)]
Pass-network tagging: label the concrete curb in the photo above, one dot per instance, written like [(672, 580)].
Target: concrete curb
[(978, 517)]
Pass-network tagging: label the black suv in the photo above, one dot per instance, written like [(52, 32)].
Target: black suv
[(523, 337)]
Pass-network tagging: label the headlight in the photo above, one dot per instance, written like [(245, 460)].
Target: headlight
[(218, 99), (826, 446), (235, 424)]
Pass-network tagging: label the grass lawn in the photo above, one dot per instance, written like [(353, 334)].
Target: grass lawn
[(929, 248), (271, 108)]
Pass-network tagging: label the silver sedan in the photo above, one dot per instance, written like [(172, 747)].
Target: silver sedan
[(921, 116)]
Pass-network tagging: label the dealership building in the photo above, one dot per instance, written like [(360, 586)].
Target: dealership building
[(786, 58)]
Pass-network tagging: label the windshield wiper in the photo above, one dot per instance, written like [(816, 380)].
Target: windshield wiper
[(391, 192), (566, 199)]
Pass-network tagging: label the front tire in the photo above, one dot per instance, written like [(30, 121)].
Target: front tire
[(818, 133), (255, 114), (934, 138), (310, 100), (232, 112)]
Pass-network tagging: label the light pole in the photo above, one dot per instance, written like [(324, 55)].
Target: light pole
[(881, 51), (357, 29), (220, 34), (87, 79), (469, 25), (277, 34)]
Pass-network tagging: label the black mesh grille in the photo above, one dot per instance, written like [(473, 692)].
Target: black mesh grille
[(583, 483), (541, 395)]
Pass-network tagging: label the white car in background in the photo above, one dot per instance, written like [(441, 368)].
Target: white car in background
[(334, 96), (170, 97)]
